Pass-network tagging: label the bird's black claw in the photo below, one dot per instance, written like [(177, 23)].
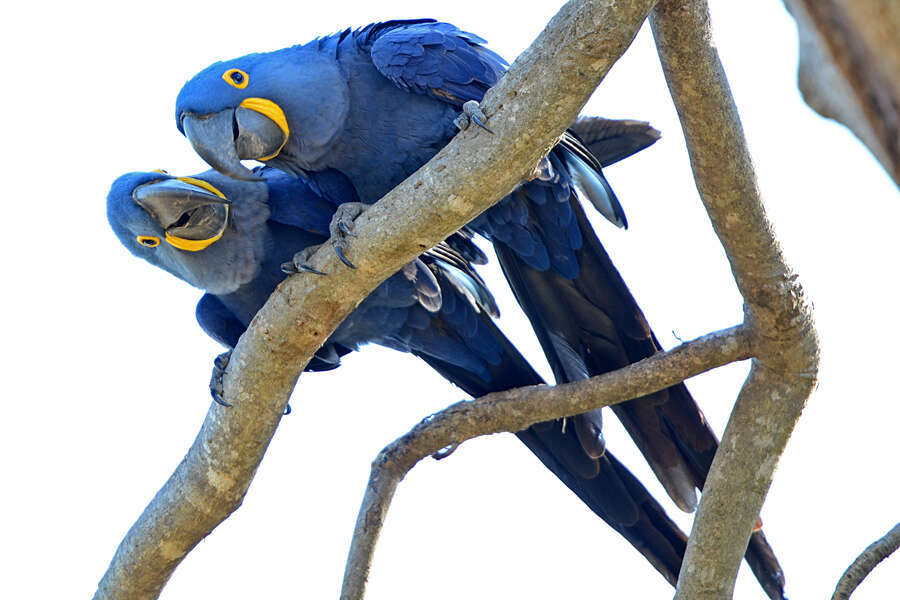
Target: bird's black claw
[(217, 381), (471, 113), (219, 400), (222, 360), (481, 124), (291, 267), (342, 225), (298, 264), (341, 228), (339, 250)]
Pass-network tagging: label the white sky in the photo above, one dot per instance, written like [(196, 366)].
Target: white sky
[(106, 371)]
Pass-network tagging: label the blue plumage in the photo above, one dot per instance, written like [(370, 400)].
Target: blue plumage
[(433, 308), (375, 104), (271, 220)]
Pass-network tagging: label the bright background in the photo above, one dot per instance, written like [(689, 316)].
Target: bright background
[(105, 371)]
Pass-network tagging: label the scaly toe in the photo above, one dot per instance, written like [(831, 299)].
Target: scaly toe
[(471, 113)]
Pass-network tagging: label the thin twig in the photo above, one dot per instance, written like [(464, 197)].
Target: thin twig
[(515, 410), (866, 562)]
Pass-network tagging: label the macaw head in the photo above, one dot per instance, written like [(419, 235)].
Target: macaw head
[(186, 225), (286, 105)]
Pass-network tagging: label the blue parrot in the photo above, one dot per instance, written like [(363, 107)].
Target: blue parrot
[(378, 102), (231, 238)]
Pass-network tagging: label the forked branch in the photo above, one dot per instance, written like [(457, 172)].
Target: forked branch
[(784, 372), (515, 410)]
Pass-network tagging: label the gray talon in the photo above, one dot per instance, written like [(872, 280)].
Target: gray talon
[(471, 113), (308, 269), (341, 228), (299, 263), (339, 250), (346, 229), (481, 124), (290, 268), (216, 382)]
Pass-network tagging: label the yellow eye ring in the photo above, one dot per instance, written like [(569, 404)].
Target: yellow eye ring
[(148, 241), (236, 78)]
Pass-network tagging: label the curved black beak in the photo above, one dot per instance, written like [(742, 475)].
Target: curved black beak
[(168, 200), (224, 138), (192, 216), (213, 137)]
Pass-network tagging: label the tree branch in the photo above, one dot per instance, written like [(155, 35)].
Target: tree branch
[(866, 562), (537, 99), (850, 69), (515, 410), (786, 346)]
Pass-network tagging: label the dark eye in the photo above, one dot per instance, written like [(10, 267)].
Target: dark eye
[(150, 241), (236, 78)]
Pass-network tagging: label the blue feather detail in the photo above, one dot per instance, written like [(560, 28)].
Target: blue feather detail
[(432, 58)]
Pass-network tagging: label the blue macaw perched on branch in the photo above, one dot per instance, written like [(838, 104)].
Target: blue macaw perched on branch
[(377, 103), (231, 237)]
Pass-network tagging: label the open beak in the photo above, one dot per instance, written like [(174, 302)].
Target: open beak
[(193, 213), (255, 130)]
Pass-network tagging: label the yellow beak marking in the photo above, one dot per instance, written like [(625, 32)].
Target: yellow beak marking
[(197, 245), (274, 112)]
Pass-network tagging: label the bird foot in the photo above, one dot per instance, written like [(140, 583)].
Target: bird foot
[(341, 228), (471, 113), (300, 262), (217, 381)]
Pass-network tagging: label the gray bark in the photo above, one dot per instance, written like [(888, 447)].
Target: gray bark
[(783, 374), (849, 69), (530, 107)]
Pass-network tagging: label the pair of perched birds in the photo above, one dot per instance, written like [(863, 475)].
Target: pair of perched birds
[(339, 122)]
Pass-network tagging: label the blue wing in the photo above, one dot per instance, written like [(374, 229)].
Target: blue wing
[(306, 203), (218, 321), (437, 59)]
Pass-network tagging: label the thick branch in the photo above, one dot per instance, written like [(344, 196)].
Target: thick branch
[(866, 562), (530, 107), (784, 372), (515, 410), (850, 69)]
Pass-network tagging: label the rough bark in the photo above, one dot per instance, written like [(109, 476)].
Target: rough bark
[(850, 69), (515, 410), (531, 106), (866, 562), (783, 374), (542, 93)]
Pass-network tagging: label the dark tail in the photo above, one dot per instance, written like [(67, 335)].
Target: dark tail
[(611, 140), (604, 484), (590, 324)]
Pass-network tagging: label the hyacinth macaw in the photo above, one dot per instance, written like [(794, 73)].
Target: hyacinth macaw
[(231, 238), (378, 102)]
